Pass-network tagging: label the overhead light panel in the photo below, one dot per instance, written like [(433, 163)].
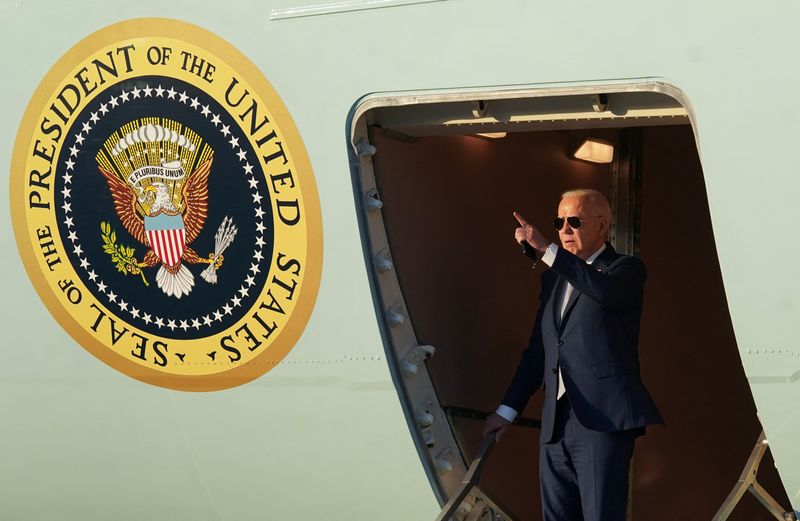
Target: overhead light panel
[(493, 135), (595, 151)]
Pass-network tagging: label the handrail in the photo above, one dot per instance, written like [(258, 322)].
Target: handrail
[(471, 478), (473, 474), (474, 414)]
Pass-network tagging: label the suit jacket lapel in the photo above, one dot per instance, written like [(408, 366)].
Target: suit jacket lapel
[(600, 263), (604, 259), (555, 302), (570, 304)]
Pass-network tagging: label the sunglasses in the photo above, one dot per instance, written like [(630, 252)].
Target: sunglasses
[(574, 222)]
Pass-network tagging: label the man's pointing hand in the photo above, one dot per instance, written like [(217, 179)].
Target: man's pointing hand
[(528, 233)]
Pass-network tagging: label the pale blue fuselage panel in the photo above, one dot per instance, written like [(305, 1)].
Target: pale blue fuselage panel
[(323, 435)]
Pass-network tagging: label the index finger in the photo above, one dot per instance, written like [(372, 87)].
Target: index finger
[(522, 222)]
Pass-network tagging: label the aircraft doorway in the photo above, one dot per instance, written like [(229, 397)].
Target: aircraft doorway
[(448, 274)]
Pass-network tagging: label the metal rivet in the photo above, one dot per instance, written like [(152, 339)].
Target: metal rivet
[(372, 200), (382, 261), (395, 316), (364, 149), (442, 461), (424, 418)]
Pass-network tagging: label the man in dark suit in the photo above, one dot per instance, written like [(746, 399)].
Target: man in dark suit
[(583, 354)]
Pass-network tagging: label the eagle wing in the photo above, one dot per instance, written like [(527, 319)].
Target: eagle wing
[(125, 205), (195, 197)]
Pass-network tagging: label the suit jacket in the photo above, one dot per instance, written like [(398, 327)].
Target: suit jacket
[(595, 344)]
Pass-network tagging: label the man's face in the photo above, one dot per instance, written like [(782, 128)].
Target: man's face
[(587, 239)]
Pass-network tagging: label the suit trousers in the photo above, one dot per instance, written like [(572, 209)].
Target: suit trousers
[(584, 473)]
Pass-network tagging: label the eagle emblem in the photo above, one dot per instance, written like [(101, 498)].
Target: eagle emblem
[(145, 166)]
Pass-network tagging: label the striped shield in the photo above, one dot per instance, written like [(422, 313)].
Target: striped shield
[(167, 237)]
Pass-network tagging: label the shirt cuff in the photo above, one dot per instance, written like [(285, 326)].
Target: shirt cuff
[(549, 256), (507, 413)]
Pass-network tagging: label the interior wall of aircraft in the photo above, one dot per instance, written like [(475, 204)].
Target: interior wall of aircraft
[(448, 203)]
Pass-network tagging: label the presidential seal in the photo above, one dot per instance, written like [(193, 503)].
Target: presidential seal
[(165, 208)]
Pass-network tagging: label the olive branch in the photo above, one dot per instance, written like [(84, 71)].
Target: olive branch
[(120, 254)]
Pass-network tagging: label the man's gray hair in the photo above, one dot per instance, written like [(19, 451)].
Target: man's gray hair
[(596, 197)]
